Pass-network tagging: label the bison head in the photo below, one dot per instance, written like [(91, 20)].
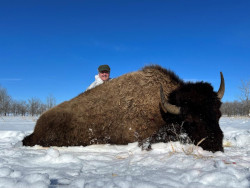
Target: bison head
[(196, 107)]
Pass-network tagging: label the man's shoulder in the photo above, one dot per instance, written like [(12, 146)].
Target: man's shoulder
[(97, 82)]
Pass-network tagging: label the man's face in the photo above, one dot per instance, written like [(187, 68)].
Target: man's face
[(104, 75)]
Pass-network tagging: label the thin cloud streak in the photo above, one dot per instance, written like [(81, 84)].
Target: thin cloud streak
[(10, 79)]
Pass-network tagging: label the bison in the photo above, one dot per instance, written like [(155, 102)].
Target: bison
[(142, 106)]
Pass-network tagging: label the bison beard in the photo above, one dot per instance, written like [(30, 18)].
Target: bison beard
[(132, 108)]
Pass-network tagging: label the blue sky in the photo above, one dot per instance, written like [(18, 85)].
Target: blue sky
[(55, 46)]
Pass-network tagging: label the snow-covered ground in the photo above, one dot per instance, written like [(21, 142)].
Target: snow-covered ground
[(167, 165)]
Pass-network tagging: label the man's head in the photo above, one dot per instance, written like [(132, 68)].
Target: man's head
[(104, 72)]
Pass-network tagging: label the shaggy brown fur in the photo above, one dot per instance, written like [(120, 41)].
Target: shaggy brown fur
[(123, 110), (127, 109)]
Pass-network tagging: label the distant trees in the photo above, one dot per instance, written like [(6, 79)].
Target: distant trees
[(232, 108), (239, 108), (33, 107), (236, 108), (245, 94), (19, 108), (245, 91), (5, 101), (51, 101)]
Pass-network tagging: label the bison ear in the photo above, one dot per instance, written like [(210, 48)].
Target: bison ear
[(167, 107), (221, 90)]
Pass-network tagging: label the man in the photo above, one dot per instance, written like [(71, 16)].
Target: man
[(103, 76)]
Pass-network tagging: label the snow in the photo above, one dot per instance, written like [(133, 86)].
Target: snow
[(114, 166)]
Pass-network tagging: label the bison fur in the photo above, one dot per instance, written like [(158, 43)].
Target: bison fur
[(133, 108)]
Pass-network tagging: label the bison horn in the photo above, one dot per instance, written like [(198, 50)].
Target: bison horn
[(168, 107), (221, 91)]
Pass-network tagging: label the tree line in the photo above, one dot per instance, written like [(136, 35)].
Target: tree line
[(236, 108), (33, 106), (241, 107)]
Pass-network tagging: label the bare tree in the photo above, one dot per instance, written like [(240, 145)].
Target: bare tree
[(19, 108), (14, 107), (42, 108), (245, 94), (34, 105), (51, 101), (22, 108), (245, 90), (5, 102)]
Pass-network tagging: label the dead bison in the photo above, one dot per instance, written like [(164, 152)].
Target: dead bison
[(136, 107)]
